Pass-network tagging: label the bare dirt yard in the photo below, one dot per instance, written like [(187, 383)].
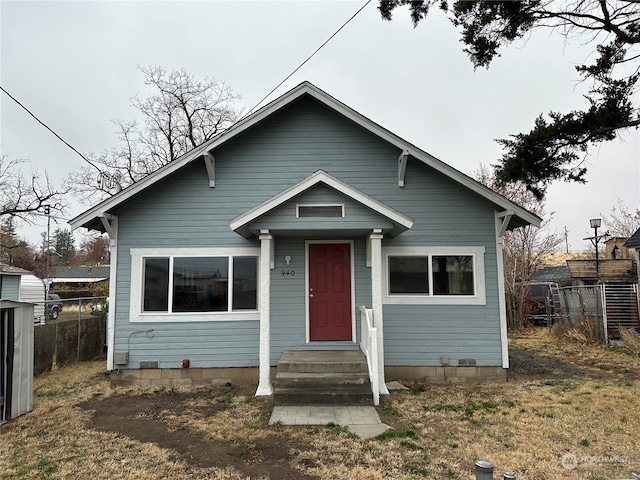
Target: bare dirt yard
[(568, 411)]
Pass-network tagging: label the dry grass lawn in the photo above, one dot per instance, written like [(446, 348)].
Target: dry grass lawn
[(562, 400)]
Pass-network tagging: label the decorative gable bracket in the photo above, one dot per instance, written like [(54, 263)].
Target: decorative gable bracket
[(503, 219), (402, 167), (210, 163), (110, 224)]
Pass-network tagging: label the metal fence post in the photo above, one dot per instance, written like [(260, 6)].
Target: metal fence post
[(79, 323), (509, 476), (484, 470)]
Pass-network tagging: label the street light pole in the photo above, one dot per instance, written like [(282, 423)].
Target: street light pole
[(47, 212), (595, 224)]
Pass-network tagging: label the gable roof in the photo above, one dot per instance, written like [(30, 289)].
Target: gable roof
[(400, 222), (633, 241), (91, 217)]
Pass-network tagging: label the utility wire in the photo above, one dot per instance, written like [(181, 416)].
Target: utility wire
[(308, 58), (248, 113), (49, 128)]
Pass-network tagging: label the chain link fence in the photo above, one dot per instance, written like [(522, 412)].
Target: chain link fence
[(74, 331)]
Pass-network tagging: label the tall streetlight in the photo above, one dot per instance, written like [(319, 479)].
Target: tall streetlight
[(595, 224), (47, 212)]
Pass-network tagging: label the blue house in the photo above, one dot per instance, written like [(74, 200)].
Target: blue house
[(306, 226)]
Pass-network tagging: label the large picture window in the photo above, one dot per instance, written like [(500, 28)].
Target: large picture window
[(438, 275), (194, 281)]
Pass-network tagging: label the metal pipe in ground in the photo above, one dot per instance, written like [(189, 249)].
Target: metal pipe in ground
[(509, 476), (484, 470)]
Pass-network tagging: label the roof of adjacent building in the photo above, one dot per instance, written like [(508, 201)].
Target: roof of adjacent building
[(11, 270), (92, 218), (551, 274), (79, 274), (634, 240)]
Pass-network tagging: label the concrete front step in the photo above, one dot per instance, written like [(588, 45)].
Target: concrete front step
[(323, 361), (321, 397), (322, 378)]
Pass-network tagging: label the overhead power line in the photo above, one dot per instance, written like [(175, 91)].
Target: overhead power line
[(309, 57), (49, 128)]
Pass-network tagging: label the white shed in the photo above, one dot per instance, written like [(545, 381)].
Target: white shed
[(16, 359)]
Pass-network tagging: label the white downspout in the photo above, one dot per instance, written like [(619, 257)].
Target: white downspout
[(266, 248), (375, 241)]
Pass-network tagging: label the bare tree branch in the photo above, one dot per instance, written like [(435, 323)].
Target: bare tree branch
[(25, 197)]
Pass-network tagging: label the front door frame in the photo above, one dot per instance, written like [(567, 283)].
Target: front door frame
[(353, 285)]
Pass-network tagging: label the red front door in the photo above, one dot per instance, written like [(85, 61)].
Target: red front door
[(329, 291)]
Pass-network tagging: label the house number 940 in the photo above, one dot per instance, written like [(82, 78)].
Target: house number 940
[(288, 273)]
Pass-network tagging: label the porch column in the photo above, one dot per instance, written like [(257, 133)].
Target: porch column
[(110, 223), (502, 221), (266, 249), (375, 242)]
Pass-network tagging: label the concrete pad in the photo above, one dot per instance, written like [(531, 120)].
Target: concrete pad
[(368, 431), (394, 386), (322, 415)]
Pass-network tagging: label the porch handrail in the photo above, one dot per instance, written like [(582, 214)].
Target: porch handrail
[(369, 346)]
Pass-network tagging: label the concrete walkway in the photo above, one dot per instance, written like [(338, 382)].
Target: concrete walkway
[(362, 421)]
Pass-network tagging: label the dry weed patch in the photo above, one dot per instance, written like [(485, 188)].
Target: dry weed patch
[(561, 398)]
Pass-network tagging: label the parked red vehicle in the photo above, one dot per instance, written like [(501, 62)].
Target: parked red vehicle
[(537, 296)]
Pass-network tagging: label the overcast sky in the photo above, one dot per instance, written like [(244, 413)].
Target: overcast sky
[(74, 64)]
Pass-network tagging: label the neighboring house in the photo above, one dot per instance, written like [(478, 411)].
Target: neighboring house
[(633, 244), (590, 272), (272, 235), (615, 249), (617, 265), (78, 278), (557, 274)]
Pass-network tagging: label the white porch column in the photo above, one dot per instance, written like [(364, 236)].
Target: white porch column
[(375, 242), (266, 249), (502, 221), (110, 222)]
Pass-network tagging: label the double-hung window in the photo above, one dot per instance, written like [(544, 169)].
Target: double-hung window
[(194, 284), (435, 275)]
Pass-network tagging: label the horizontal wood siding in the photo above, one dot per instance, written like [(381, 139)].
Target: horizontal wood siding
[(184, 211)]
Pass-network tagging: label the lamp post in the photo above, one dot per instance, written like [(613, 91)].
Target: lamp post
[(47, 212), (595, 224)]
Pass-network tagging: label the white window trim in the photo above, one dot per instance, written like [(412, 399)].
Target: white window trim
[(480, 297), (137, 267), (341, 205)]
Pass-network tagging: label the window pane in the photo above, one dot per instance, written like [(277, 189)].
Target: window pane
[(245, 280), (453, 275), (156, 285), (409, 275), (200, 284)]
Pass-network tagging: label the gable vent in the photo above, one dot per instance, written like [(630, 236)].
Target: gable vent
[(306, 211)]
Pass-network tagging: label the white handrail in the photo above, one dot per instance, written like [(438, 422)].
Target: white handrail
[(369, 346)]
